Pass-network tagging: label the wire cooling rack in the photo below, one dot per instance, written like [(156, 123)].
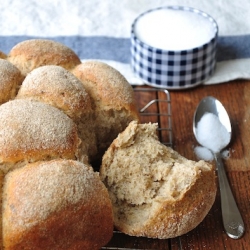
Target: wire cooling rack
[(157, 110), (154, 105)]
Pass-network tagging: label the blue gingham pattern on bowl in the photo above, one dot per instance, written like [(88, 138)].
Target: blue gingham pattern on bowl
[(174, 69)]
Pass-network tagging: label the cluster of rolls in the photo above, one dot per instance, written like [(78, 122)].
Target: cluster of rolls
[(58, 116)]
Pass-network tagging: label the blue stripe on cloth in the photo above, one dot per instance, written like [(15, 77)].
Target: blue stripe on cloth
[(94, 47), (118, 49), (233, 47)]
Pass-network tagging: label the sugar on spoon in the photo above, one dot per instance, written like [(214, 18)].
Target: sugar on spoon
[(212, 129)]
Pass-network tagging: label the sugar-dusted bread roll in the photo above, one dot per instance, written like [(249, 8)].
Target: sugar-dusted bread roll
[(33, 53), (58, 87), (10, 81), (155, 192), (32, 131), (58, 204), (112, 97)]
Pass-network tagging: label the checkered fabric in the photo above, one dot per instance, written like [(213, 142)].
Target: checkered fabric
[(173, 69)]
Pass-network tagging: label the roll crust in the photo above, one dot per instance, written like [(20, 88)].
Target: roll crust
[(59, 204), (32, 131), (107, 86), (30, 54), (10, 81), (58, 87)]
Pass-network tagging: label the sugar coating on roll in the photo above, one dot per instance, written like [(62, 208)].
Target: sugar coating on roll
[(106, 85), (58, 204), (56, 86), (10, 81), (155, 192), (112, 98), (32, 131), (30, 54)]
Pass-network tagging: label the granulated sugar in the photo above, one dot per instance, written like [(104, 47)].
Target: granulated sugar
[(203, 153), (212, 135), (171, 29), (225, 154)]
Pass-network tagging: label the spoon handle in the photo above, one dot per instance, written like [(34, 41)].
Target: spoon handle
[(232, 220)]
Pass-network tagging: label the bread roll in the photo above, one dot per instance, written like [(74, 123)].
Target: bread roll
[(32, 131), (59, 204), (33, 53), (112, 98), (155, 192), (58, 87), (10, 81)]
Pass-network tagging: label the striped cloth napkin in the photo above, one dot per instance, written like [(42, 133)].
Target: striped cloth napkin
[(100, 30)]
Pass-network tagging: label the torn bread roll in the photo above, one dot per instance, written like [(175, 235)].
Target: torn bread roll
[(30, 54), (58, 204), (33, 131), (112, 99), (155, 192)]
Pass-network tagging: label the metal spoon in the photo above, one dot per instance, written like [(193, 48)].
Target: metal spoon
[(232, 220)]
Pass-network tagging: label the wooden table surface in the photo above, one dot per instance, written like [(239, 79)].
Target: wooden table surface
[(235, 96)]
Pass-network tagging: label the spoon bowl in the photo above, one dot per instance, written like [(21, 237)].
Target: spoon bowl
[(215, 134), (211, 105)]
